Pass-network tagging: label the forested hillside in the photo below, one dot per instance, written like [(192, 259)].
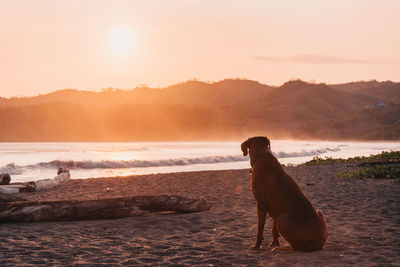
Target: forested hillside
[(225, 110)]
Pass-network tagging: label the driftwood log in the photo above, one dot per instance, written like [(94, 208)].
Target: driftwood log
[(112, 208), (39, 185), (10, 198), (61, 178), (5, 179)]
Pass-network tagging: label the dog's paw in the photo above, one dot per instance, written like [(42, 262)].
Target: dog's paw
[(286, 248), (274, 243), (255, 246)]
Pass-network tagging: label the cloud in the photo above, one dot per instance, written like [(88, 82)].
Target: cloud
[(313, 59)]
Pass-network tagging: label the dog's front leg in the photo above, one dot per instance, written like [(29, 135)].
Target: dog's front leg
[(275, 235), (261, 214)]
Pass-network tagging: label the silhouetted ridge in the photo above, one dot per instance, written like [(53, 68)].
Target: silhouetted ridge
[(295, 85), (225, 110)]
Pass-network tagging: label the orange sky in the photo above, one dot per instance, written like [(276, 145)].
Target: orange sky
[(47, 45)]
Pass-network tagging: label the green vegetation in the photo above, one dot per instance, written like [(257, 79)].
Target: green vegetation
[(383, 157), (323, 161), (385, 171), (385, 165)]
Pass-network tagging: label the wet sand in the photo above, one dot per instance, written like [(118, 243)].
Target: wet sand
[(363, 218)]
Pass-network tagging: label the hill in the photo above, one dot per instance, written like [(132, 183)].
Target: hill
[(224, 110)]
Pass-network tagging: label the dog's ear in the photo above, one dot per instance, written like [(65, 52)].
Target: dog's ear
[(245, 146), (268, 143)]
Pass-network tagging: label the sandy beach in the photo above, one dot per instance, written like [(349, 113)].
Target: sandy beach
[(363, 218)]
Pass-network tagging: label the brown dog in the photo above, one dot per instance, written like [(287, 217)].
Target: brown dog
[(277, 194)]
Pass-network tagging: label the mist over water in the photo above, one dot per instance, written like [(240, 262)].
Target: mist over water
[(34, 161)]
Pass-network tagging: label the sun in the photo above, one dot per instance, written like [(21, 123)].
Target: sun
[(121, 40)]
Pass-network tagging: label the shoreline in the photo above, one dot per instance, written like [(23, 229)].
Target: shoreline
[(362, 216), (35, 161)]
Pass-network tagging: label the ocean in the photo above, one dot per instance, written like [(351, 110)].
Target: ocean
[(35, 161)]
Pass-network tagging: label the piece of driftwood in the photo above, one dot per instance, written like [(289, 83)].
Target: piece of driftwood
[(5, 179), (97, 209), (61, 178), (10, 198), (11, 189), (38, 185)]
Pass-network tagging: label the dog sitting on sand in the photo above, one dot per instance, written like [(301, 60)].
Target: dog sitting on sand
[(277, 194)]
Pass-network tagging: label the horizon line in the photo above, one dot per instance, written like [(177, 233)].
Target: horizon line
[(145, 86)]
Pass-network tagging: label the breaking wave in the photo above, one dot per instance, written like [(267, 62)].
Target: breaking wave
[(113, 164), (11, 169), (106, 164), (305, 153)]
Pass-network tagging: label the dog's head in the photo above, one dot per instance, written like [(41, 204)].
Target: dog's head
[(253, 144)]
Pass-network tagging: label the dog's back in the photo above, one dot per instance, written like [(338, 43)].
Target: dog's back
[(277, 189)]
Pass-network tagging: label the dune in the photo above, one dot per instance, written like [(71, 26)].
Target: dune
[(363, 218)]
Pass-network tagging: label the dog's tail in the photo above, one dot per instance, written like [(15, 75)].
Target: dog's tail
[(323, 221)]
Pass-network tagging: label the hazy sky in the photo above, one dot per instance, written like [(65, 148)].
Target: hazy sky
[(47, 45)]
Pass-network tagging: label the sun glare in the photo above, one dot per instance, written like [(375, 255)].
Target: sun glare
[(121, 40)]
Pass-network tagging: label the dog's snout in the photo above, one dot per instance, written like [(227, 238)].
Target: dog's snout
[(245, 147)]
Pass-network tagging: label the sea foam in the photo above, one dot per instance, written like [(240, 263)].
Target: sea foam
[(118, 164)]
